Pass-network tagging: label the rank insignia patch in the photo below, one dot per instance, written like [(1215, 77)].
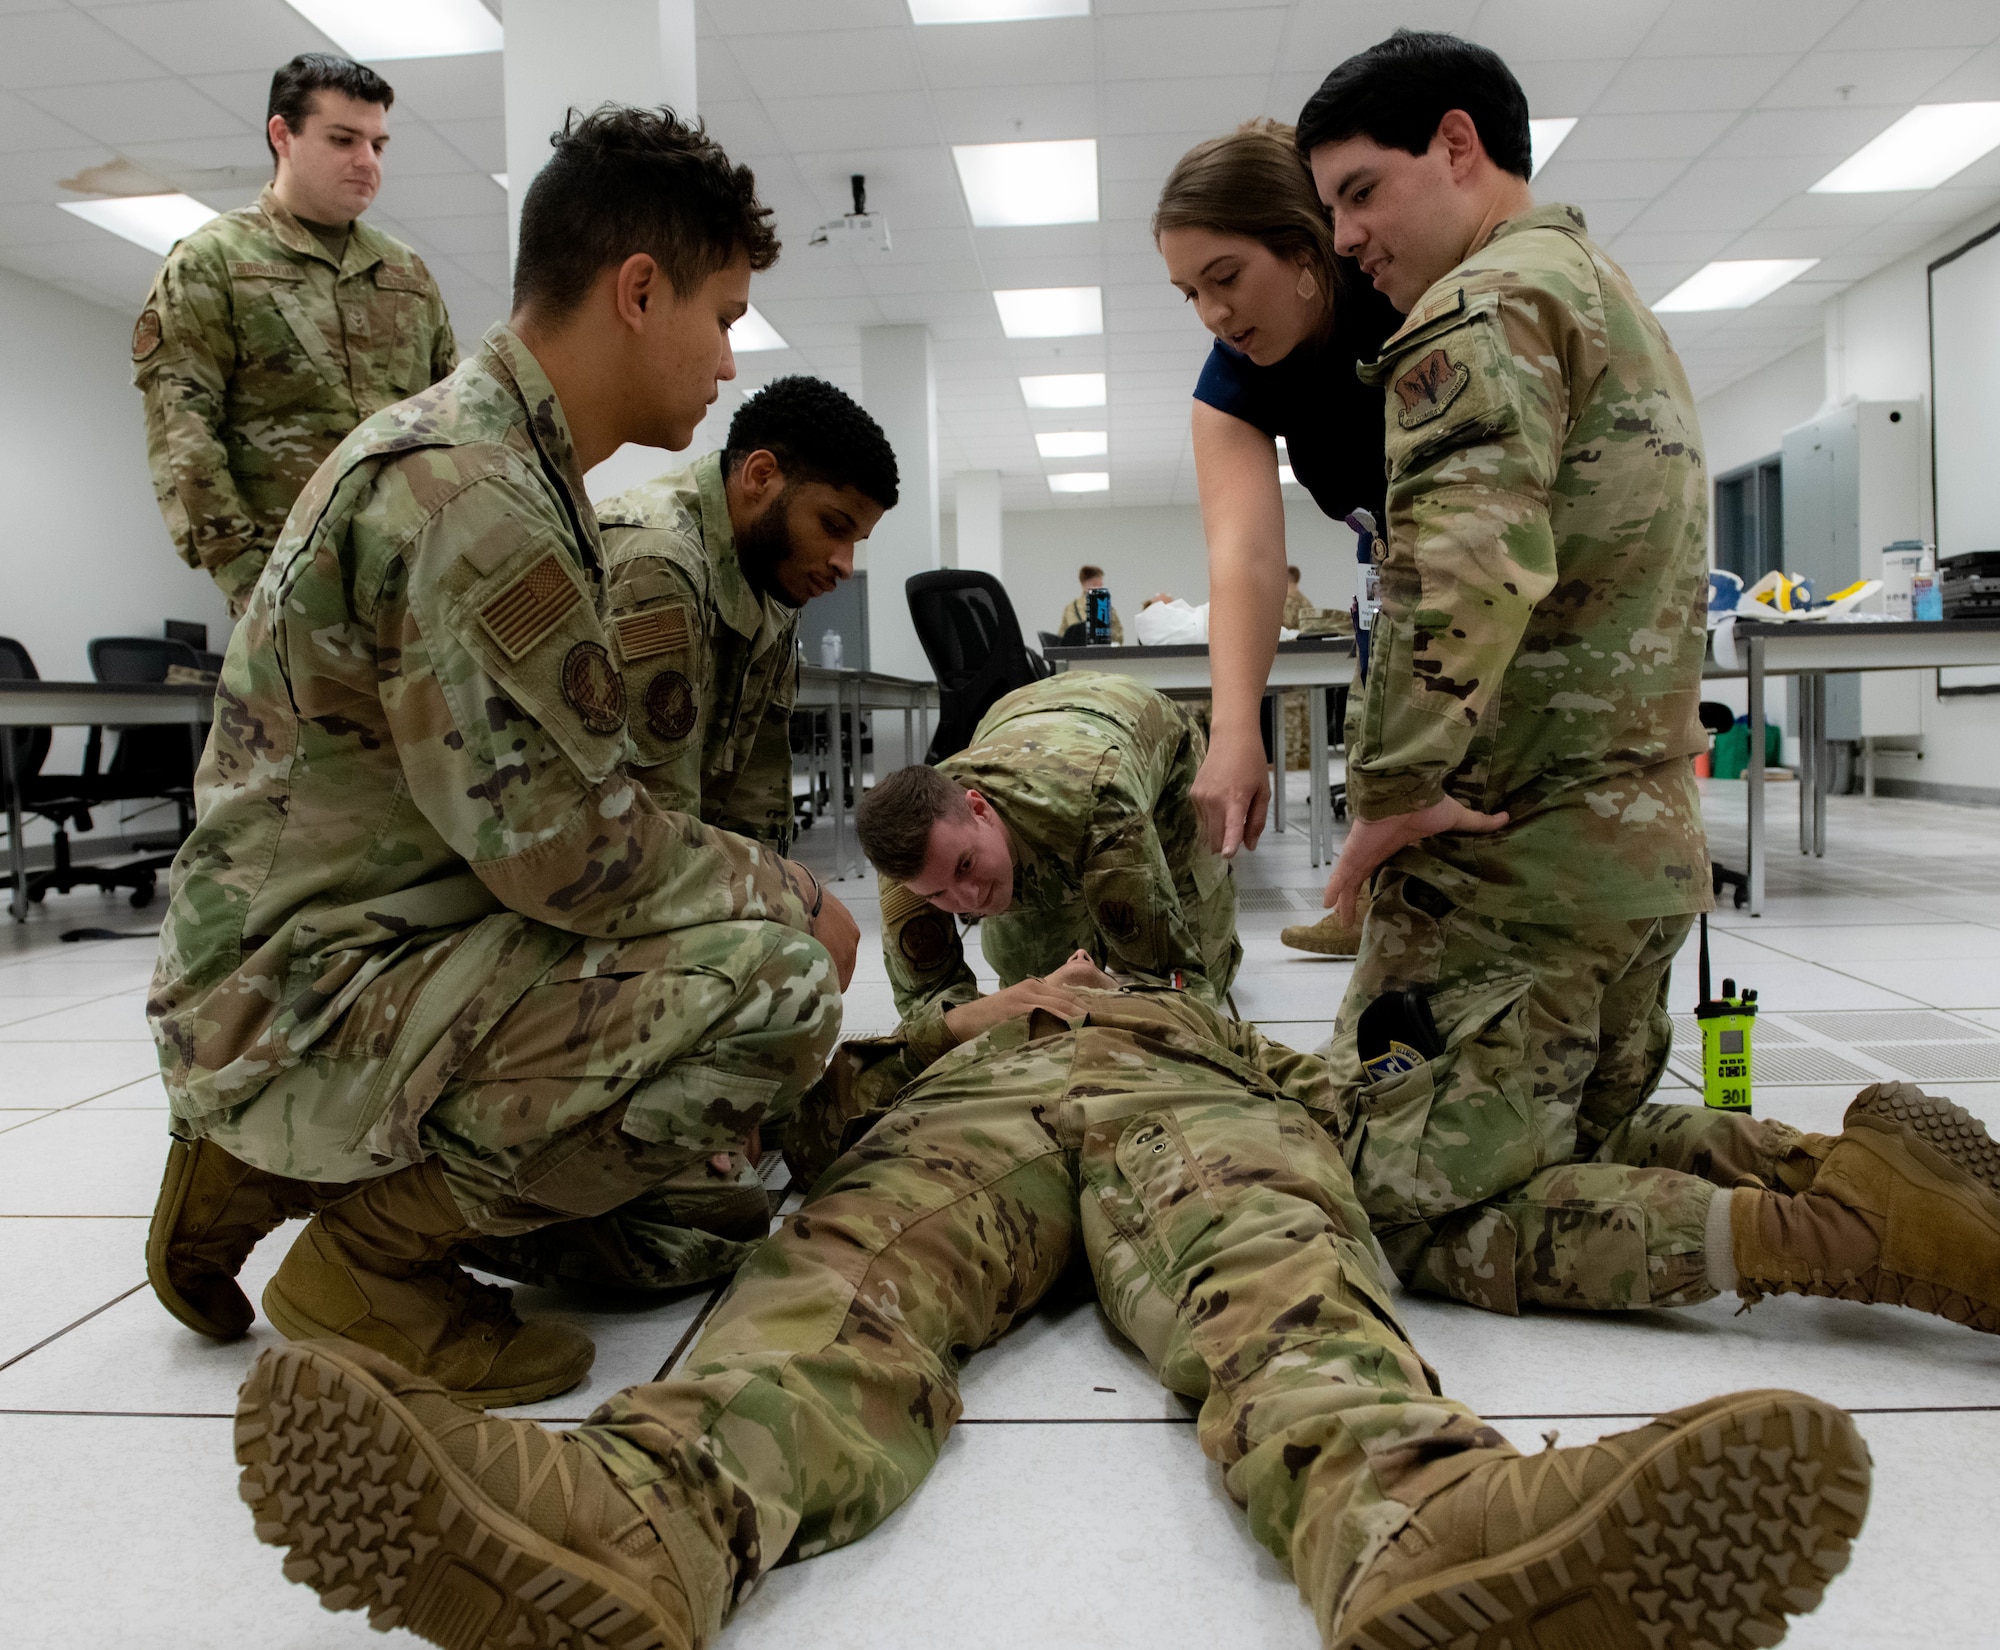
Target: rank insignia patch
[(146, 335), (1429, 387), (530, 607), (670, 705), (926, 940), (658, 630), (594, 689)]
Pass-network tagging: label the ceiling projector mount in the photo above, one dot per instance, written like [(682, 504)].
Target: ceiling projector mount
[(860, 231)]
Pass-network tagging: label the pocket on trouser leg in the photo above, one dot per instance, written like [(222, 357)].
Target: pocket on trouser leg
[(1455, 1130)]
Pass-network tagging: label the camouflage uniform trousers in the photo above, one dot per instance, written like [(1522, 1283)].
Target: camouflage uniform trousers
[(610, 1084), (1526, 1164), (1222, 1231)]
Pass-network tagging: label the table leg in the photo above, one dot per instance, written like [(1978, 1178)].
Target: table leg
[(17, 850), (1808, 755), (1322, 797), (909, 732), (837, 754), (1277, 701), (1754, 778), (1822, 765)]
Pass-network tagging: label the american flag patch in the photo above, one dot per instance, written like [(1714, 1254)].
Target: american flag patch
[(528, 609), (658, 630)]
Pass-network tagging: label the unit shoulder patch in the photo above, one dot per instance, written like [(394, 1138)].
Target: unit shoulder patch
[(926, 940), (594, 690), (146, 334), (647, 635), (530, 607), (1429, 387), (670, 705)]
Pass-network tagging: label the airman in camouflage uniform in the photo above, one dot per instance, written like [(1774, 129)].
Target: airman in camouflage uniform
[(1189, 1162), (1539, 652), (710, 665), (257, 352), (1078, 613), (429, 911), (1090, 774)]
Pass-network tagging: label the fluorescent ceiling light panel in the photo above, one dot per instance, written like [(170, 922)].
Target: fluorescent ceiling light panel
[(994, 11), (375, 30), (1064, 389), (1734, 283), (753, 333), (1051, 311), (1081, 481), (1285, 476), (499, 178), (1007, 184), (1071, 443), (154, 221), (1545, 138), (1931, 143)]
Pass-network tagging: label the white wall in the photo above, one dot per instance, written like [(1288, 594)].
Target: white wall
[(1876, 348), (1144, 550), (84, 552)]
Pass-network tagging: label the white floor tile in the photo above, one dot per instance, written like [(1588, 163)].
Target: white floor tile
[(1065, 1362), (1305, 993), (1956, 984), (1081, 1537), (109, 1019), (1930, 940), (58, 1270), (145, 1094), (56, 972), (1788, 986), (24, 1010), (60, 1074), (83, 1163)]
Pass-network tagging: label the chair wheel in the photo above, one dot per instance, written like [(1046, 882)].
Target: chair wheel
[(142, 896)]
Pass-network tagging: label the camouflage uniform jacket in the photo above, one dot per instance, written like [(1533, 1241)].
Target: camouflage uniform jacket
[(257, 354), (1543, 588), (419, 738), (1074, 614), (711, 667), (1090, 774)]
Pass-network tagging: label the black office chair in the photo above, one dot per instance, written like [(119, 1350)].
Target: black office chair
[(65, 801), (1075, 635), (973, 642), (1719, 718), (1048, 639)]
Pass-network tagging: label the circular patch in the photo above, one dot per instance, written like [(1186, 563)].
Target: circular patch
[(926, 940), (593, 687), (146, 335), (1116, 918), (670, 705)]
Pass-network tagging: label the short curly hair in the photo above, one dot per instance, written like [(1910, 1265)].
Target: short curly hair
[(626, 180), (816, 433), (894, 820)]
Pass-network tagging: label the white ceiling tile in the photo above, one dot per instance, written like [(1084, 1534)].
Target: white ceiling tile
[(1877, 25), (1572, 177), (134, 111), (202, 36), (1855, 80), (1812, 134), (466, 194), (1016, 114), (1538, 30), (765, 17), (23, 127), (1976, 80), (1565, 87), (1681, 83), (1608, 136), (740, 125), (1206, 103), (482, 142), (814, 125), (1237, 40), (1323, 36), (850, 61), (58, 48), (1698, 28), (1009, 54), (449, 88)]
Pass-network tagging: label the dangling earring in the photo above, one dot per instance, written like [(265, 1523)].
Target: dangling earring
[(1308, 287)]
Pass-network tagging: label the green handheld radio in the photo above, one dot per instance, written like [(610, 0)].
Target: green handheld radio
[(1725, 1038)]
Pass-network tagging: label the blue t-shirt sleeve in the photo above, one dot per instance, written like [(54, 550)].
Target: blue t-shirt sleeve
[(1228, 383)]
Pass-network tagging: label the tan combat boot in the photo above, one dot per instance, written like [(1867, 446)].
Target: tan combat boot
[(1905, 1210), (376, 1268), (475, 1534), (1706, 1528), (1329, 937), (213, 1209)]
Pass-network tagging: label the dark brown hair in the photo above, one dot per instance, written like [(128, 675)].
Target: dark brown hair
[(1088, 572), (894, 820), (626, 180), (292, 89), (1251, 182)]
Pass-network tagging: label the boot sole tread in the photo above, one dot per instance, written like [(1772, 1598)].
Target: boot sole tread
[(1947, 1130), (375, 1517), (1737, 1520)]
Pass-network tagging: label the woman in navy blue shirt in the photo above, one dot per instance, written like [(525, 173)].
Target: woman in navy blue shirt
[(1248, 243)]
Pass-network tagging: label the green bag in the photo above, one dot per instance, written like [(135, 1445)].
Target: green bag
[(1730, 754)]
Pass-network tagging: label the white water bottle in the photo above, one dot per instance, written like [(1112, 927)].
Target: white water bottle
[(829, 650)]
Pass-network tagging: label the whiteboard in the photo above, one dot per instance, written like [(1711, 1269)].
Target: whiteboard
[(1965, 403)]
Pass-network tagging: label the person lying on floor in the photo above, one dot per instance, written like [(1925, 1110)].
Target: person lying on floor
[(1195, 1167)]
